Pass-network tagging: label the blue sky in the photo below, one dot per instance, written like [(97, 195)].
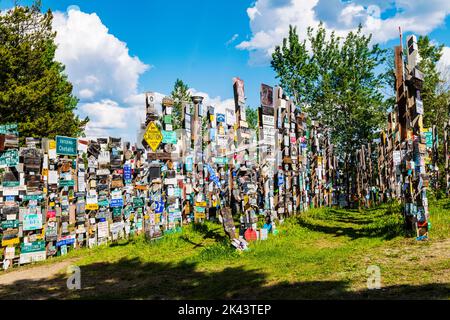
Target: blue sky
[(116, 50)]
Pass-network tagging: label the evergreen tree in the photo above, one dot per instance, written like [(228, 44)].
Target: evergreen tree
[(181, 96), (34, 91)]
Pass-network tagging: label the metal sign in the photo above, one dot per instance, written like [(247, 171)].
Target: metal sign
[(159, 206), (231, 117), (153, 136), (32, 222), (9, 128), (66, 146), (127, 172), (239, 92), (169, 137), (266, 95), (268, 120), (220, 117), (429, 138), (213, 176), (9, 158), (115, 203)]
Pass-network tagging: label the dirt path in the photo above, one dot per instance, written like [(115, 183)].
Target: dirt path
[(34, 273)]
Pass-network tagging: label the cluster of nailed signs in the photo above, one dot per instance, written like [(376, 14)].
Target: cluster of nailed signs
[(56, 195)]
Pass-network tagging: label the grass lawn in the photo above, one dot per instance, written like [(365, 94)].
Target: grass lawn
[(321, 254)]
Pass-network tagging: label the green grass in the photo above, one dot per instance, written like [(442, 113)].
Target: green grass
[(323, 253)]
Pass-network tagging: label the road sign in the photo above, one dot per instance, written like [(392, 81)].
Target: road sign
[(9, 158), (159, 206), (169, 137), (153, 136), (220, 117), (66, 146), (127, 175)]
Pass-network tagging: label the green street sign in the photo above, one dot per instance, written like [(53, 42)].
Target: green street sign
[(117, 211), (199, 209), (167, 119), (9, 158), (221, 160), (32, 247), (33, 197), (10, 184), (66, 146), (103, 203), (67, 183), (9, 128), (138, 202), (429, 138), (13, 224), (169, 137)]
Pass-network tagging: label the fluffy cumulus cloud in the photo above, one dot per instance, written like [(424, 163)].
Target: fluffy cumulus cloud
[(444, 63), (104, 74), (270, 19), (217, 102)]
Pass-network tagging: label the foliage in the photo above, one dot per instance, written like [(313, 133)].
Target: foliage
[(181, 96), (320, 254), (435, 94), (34, 91), (251, 115), (336, 82)]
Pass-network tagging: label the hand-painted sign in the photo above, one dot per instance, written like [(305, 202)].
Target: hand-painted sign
[(66, 146)]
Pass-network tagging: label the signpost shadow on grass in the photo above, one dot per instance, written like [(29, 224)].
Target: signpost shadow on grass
[(132, 279)]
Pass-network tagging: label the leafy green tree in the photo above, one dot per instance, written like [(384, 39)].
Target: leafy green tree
[(251, 114), (434, 94), (34, 91), (336, 83), (181, 96)]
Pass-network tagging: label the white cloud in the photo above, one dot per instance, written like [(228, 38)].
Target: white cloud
[(270, 20), (95, 59), (217, 102), (104, 74), (444, 63)]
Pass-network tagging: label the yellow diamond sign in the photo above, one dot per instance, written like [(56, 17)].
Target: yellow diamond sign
[(153, 136)]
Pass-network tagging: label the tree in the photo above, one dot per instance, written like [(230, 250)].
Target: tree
[(181, 96), (251, 115), (435, 92), (336, 83), (34, 91)]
